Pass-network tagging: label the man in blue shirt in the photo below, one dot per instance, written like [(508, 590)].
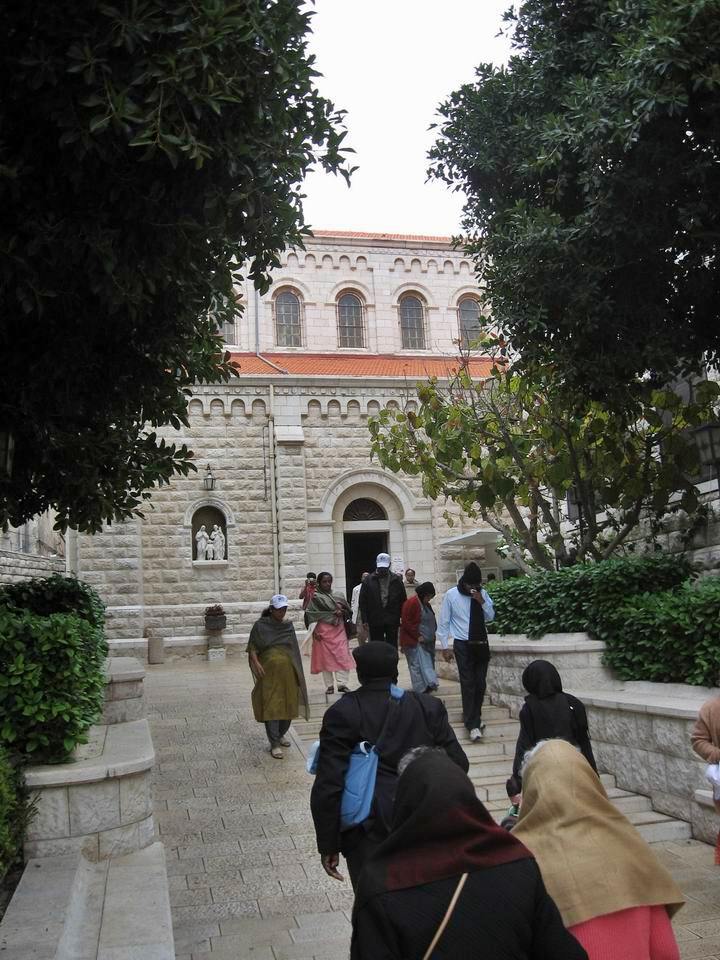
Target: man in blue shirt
[(465, 610)]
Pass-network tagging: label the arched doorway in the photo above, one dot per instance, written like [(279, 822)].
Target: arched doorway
[(365, 535)]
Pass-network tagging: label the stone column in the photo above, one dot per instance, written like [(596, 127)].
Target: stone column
[(291, 507)]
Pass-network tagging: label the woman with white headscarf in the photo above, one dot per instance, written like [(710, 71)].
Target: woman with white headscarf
[(277, 668)]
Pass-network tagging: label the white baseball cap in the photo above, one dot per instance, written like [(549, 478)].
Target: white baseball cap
[(279, 601), (382, 560)]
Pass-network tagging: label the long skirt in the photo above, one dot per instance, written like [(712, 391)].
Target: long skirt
[(420, 665), (276, 695), (330, 650)]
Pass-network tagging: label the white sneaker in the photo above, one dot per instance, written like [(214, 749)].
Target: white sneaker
[(476, 734)]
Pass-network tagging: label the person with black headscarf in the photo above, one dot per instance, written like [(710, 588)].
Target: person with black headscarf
[(440, 834), (548, 714), (465, 610), (417, 720)]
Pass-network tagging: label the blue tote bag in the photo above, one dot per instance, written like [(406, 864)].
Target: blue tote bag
[(361, 774)]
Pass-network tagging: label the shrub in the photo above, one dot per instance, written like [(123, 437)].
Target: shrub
[(671, 637), (51, 666), (15, 812), (577, 598), (55, 594)]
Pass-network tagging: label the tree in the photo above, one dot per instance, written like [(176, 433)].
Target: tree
[(148, 151), (591, 165), (510, 450)]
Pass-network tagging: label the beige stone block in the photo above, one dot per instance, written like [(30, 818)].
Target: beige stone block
[(52, 817), (126, 839), (135, 797), (62, 847), (94, 807)]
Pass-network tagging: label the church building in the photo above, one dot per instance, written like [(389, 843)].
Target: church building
[(285, 480)]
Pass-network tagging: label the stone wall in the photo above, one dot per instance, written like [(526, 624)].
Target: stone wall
[(640, 732), (15, 567), (379, 272)]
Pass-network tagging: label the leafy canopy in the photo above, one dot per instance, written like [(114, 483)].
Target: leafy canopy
[(148, 151), (509, 449), (591, 165)]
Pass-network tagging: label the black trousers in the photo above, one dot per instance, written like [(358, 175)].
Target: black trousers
[(385, 631), (276, 730), (472, 663)]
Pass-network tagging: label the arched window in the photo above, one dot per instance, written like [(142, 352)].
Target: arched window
[(468, 321), (351, 325), (364, 509), (288, 319), (412, 323)]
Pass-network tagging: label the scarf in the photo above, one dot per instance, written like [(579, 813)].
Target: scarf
[(267, 633), (323, 606), (439, 830), (547, 704), (592, 859), (476, 630)]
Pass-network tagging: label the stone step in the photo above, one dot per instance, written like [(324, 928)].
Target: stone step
[(67, 908), (658, 827), (628, 803), (494, 729)]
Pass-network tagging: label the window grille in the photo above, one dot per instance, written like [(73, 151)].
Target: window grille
[(469, 314), (412, 323), (351, 326), (288, 321)]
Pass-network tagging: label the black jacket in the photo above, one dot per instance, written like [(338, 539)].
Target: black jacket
[(561, 715), (420, 720), (503, 913), (371, 608)]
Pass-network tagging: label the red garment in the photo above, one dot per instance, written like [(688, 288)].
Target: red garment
[(640, 933), (307, 593), (409, 635)]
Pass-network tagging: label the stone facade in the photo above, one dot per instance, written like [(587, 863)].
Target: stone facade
[(289, 448)]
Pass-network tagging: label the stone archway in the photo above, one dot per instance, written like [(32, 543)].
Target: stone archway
[(407, 524)]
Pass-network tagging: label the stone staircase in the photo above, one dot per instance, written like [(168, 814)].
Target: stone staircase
[(491, 765)]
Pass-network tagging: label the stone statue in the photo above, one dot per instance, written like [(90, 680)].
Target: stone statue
[(210, 549), (217, 538), (201, 541)]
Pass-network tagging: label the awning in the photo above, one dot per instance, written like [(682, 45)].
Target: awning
[(475, 538)]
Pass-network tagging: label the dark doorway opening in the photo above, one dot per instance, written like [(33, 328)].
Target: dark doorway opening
[(360, 552)]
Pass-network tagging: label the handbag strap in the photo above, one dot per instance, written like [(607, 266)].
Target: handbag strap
[(393, 706), (446, 919)]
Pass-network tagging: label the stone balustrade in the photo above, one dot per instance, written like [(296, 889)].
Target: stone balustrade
[(640, 731)]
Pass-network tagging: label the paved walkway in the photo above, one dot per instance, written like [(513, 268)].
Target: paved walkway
[(245, 878)]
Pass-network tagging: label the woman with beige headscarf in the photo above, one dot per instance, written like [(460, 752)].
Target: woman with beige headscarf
[(614, 896)]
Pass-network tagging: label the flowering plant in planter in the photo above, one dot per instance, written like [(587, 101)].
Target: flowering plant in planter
[(215, 618)]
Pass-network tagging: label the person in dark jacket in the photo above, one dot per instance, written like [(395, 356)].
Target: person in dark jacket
[(382, 596), (548, 714), (441, 832), (419, 720)]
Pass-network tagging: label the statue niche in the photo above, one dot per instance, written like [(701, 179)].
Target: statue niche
[(209, 534)]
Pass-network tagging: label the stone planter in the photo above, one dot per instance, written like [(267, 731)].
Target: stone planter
[(213, 624)]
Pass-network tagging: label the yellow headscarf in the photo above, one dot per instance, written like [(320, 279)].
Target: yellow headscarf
[(592, 859)]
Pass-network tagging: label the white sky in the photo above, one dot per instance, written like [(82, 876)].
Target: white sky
[(389, 63)]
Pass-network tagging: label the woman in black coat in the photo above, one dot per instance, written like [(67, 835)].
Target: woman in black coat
[(441, 833), (548, 714)]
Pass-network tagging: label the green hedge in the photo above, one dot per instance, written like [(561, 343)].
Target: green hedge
[(671, 637), (15, 812), (577, 598), (51, 666)]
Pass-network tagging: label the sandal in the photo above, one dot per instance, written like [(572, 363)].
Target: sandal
[(284, 742), (276, 752), (343, 689), (330, 690)]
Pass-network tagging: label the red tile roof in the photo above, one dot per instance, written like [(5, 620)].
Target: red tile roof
[(354, 365), (361, 235)]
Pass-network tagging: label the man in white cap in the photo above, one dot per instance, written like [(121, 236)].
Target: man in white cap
[(381, 598)]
